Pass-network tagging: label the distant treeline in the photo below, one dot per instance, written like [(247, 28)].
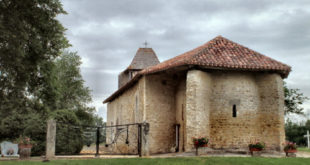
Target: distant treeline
[(295, 132)]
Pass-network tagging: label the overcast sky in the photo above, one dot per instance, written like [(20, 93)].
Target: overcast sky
[(107, 34)]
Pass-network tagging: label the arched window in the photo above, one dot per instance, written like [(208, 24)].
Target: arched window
[(234, 111)]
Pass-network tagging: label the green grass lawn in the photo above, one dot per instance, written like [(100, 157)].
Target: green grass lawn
[(170, 161), (305, 149)]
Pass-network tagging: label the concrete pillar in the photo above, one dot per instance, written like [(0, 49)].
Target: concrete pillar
[(197, 112), (50, 139)]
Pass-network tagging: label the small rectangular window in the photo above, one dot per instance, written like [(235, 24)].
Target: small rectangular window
[(234, 111)]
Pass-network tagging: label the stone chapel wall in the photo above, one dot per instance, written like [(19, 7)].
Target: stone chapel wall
[(208, 99), (257, 98), (180, 105), (271, 117), (197, 113), (231, 89), (160, 110), (126, 109)]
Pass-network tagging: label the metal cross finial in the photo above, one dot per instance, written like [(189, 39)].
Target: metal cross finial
[(145, 44)]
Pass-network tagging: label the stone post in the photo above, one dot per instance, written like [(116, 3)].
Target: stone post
[(50, 139), (145, 142)]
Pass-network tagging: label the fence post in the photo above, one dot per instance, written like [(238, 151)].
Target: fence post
[(50, 139), (97, 141), (139, 139)]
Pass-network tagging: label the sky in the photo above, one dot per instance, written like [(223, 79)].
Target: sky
[(106, 34)]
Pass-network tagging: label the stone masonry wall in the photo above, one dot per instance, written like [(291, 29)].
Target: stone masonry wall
[(126, 109), (123, 78), (271, 117), (198, 90), (160, 112), (229, 89), (259, 102), (180, 106), (202, 103)]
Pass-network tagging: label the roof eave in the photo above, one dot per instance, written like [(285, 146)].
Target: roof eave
[(284, 74)]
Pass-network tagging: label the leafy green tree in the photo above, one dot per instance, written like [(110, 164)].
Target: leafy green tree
[(71, 92), (68, 106), (30, 38), (293, 100), (37, 78), (295, 132)]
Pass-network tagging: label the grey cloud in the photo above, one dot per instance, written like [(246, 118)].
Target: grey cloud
[(107, 33)]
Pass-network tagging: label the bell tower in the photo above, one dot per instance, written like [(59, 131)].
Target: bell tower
[(145, 57)]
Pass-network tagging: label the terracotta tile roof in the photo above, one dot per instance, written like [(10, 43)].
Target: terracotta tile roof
[(219, 53), (144, 58), (225, 54)]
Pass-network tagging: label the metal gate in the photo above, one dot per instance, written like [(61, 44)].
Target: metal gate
[(98, 140)]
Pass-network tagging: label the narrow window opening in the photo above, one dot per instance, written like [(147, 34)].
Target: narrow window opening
[(234, 111), (129, 75), (137, 110)]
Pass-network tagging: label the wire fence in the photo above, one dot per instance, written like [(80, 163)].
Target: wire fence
[(98, 140)]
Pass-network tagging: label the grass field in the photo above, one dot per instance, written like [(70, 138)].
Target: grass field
[(171, 161), (305, 149)]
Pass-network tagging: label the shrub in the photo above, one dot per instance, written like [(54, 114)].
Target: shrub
[(290, 146), (257, 145), (201, 141)]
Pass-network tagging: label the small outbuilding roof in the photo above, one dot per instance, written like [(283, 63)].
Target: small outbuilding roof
[(219, 53)]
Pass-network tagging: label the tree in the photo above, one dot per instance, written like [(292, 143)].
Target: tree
[(293, 100), (69, 104), (30, 39), (295, 132), (72, 94), (35, 80)]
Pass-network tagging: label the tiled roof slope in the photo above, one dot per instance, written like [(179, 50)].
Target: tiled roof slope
[(219, 53), (223, 54), (144, 58)]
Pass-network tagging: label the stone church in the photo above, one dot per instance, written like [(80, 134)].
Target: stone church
[(220, 90)]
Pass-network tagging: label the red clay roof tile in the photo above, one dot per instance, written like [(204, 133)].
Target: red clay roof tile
[(223, 53), (219, 53)]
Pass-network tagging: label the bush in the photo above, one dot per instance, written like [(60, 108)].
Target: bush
[(200, 142), (36, 130), (257, 145), (31, 125), (290, 146)]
